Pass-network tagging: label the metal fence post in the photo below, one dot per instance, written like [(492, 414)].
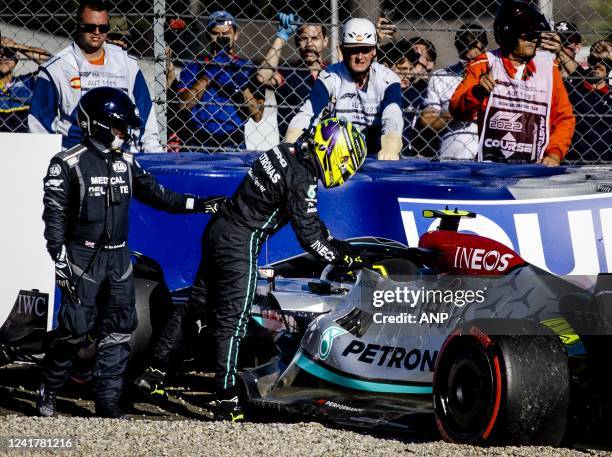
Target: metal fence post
[(159, 65), (335, 30)]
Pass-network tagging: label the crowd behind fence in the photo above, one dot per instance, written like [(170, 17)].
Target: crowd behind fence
[(280, 46)]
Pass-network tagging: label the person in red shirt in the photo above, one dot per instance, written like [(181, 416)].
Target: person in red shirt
[(516, 93)]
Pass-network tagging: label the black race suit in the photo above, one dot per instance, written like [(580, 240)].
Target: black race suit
[(277, 190), (84, 210)]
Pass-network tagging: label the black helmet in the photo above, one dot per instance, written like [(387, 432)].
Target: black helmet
[(104, 108), (467, 37), (514, 18)]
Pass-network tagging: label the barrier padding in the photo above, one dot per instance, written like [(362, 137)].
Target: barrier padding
[(368, 204)]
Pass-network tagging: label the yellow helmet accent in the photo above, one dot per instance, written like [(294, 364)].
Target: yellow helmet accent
[(339, 151)]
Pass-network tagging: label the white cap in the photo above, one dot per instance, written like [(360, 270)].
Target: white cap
[(359, 31)]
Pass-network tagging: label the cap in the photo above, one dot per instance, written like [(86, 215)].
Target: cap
[(569, 32), (221, 18)]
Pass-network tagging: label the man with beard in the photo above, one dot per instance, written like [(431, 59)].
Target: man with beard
[(293, 85), (367, 93), (516, 93)]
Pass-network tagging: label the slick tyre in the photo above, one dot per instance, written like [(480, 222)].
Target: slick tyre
[(501, 389)]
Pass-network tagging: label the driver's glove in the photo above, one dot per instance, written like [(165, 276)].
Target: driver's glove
[(209, 205), (64, 276), (344, 248), (352, 262)]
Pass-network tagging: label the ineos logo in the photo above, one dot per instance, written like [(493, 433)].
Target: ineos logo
[(480, 259)]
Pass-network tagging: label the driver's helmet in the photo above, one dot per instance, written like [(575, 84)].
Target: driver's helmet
[(337, 149), (104, 108), (517, 17)]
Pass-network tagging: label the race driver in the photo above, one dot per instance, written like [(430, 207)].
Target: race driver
[(516, 93), (87, 194), (367, 93), (280, 188)]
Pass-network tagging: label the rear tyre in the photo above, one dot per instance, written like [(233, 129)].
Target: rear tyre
[(502, 389)]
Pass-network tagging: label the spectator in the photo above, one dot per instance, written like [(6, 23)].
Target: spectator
[(428, 51), (16, 91), (591, 95), (408, 65), (38, 55), (367, 93), (88, 63), (385, 30), (119, 33), (214, 90), (458, 140), (516, 93), (293, 86), (566, 48)]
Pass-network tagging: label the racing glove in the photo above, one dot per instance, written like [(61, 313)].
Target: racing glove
[(209, 205), (350, 261), (344, 248), (64, 276), (288, 24)]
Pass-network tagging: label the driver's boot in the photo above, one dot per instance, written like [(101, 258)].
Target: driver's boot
[(151, 383)]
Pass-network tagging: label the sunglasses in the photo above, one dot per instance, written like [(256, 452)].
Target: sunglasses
[(352, 50), (91, 28), (531, 36)]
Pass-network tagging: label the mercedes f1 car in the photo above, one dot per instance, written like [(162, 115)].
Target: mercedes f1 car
[(500, 351), (459, 334)]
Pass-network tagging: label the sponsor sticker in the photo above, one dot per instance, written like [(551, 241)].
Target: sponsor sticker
[(119, 167), (75, 82), (327, 339), (55, 170)]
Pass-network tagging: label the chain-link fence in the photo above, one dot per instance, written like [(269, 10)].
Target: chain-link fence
[(213, 96)]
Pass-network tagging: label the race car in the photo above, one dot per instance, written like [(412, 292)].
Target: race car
[(458, 336), (500, 351)]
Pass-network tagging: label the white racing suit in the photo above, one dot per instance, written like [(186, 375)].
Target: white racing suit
[(376, 110), (64, 79)]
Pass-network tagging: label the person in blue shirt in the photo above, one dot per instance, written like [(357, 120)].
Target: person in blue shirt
[(16, 90), (215, 94)]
